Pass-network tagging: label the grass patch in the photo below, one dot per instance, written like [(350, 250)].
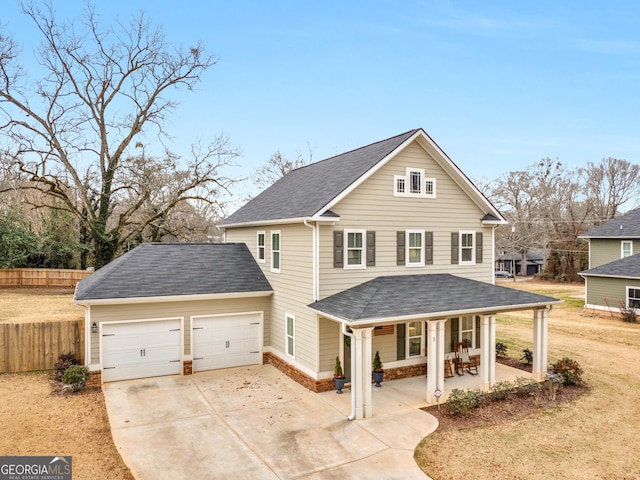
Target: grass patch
[(25, 305)]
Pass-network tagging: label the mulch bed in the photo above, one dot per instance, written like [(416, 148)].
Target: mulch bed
[(514, 407)]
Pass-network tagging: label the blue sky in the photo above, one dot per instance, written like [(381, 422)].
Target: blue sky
[(498, 85)]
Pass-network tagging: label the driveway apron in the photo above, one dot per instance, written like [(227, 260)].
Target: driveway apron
[(254, 422)]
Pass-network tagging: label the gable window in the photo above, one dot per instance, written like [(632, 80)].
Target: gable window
[(415, 248), (260, 247), (414, 184), (290, 339), (627, 248), (275, 251)]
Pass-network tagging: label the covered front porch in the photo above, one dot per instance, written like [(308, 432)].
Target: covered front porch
[(431, 301)]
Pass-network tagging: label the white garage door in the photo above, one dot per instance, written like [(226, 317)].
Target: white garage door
[(141, 349), (226, 341)]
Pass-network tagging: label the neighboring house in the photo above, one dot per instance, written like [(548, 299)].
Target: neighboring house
[(385, 248), (535, 263), (612, 281)]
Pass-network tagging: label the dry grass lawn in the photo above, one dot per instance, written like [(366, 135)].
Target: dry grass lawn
[(23, 305), (594, 437)]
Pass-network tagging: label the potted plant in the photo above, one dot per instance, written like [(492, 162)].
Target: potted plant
[(378, 372), (338, 376)]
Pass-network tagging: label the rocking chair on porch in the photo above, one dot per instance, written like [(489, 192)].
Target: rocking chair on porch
[(463, 360)]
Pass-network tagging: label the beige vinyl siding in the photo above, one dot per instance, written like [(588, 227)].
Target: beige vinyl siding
[(606, 250), (613, 289), (373, 206), (293, 286), (141, 311), (387, 346), (329, 344)]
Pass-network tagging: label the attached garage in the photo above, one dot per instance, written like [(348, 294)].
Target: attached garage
[(138, 349), (223, 341), (173, 308)]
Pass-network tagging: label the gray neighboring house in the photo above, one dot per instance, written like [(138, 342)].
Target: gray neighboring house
[(612, 281), (388, 248)]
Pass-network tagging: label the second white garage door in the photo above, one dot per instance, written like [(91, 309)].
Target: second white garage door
[(226, 341)]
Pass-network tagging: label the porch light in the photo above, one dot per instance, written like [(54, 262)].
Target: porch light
[(94, 328)]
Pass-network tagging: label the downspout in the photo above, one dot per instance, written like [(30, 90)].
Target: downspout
[(314, 259), (352, 415)]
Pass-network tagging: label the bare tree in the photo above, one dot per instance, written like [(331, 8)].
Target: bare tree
[(611, 184), (103, 89), (278, 166)]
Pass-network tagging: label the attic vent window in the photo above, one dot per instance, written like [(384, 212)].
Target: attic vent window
[(418, 184)]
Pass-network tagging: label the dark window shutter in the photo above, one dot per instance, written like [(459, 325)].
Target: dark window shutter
[(400, 341), (455, 322), (371, 249), (400, 248), (338, 249), (478, 247), (428, 248), (478, 336), (454, 247)]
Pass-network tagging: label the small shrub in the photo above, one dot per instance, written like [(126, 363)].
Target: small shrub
[(65, 360), (461, 401), (76, 376), (552, 383), (628, 315), (526, 386), (337, 369), (501, 349), (570, 371), (501, 390), (527, 356), (376, 364)]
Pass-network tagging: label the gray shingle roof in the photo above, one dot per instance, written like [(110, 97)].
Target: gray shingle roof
[(626, 226), (429, 295), (169, 269), (305, 191), (628, 267)]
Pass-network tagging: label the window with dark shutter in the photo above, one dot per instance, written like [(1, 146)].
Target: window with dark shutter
[(400, 248), (338, 249), (428, 248), (371, 249), (478, 247), (454, 247)]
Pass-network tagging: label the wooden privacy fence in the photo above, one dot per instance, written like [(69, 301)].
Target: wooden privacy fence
[(41, 277), (36, 346)]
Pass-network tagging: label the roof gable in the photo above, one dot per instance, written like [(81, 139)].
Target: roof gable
[(625, 226), (176, 269), (312, 190)]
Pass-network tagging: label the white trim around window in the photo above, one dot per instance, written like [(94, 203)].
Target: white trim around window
[(414, 245), (276, 251), (355, 249), (414, 183), (626, 248), (467, 247), (290, 334), (415, 339), (260, 246)]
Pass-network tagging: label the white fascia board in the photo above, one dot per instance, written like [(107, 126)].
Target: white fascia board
[(602, 275), (172, 298), (368, 174), (283, 221), (434, 316)]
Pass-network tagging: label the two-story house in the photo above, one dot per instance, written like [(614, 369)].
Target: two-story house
[(385, 248), (612, 281)]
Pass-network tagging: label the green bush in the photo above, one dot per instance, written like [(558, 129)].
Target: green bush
[(501, 390), (76, 376), (527, 356), (65, 360), (501, 349), (461, 401), (570, 371)]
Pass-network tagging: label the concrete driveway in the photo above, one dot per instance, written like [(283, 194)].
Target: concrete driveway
[(256, 423)]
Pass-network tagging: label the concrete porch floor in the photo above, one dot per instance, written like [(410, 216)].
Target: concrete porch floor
[(411, 393)]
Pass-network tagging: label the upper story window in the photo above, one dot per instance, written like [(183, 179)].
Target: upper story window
[(414, 183), (260, 255), (354, 249), (355, 255), (466, 247), (627, 248), (415, 248), (275, 251)]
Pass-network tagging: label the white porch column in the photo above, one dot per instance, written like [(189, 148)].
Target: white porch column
[(540, 344), (487, 351), (361, 372), (435, 358)]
